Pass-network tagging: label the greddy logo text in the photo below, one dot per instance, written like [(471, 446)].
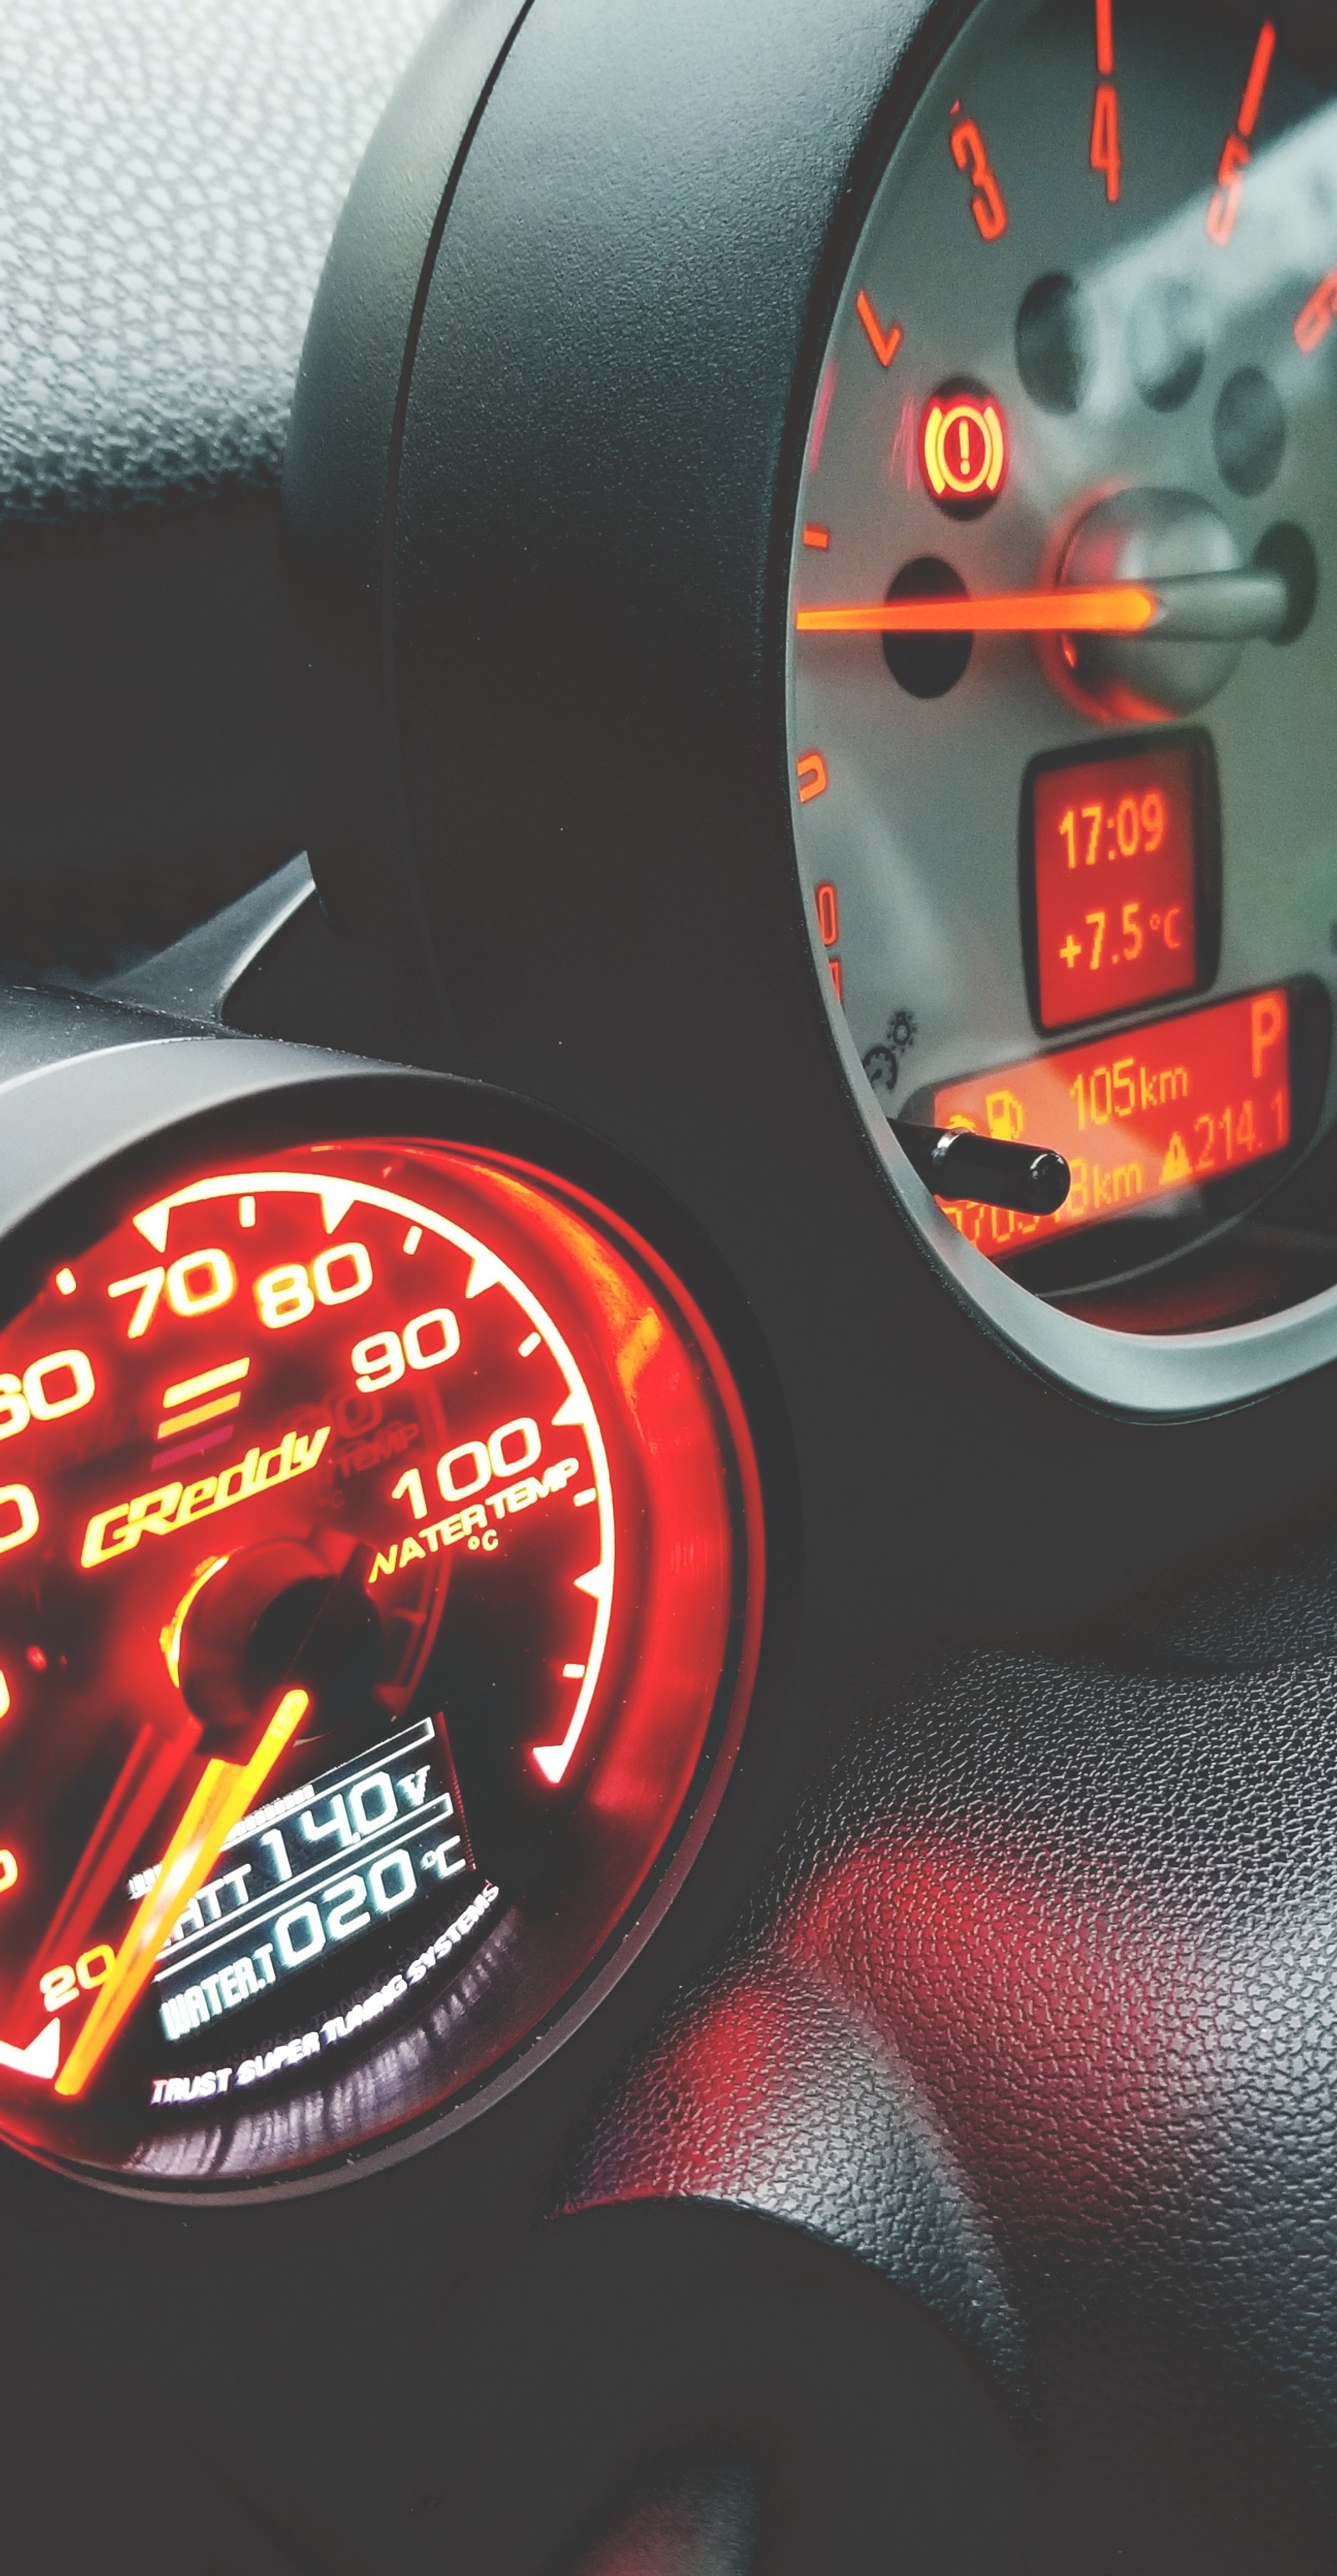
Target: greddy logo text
[(174, 1507)]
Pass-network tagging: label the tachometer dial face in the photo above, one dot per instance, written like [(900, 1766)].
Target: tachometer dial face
[(378, 1552), (1063, 627)]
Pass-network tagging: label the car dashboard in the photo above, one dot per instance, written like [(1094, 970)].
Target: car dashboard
[(668, 1286)]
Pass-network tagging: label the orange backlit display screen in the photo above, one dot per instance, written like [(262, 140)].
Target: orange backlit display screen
[(1138, 1117), (1113, 848)]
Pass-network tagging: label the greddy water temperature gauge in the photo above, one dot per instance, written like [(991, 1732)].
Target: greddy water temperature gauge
[(378, 1562)]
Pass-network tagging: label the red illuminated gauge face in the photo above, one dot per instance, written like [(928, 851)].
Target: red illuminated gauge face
[(963, 449), (1063, 607), (378, 1564)]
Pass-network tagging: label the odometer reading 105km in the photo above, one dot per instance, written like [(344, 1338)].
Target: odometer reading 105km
[(1146, 1115), (347, 1509)]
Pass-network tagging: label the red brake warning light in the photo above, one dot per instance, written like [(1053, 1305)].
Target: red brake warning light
[(1145, 1115)]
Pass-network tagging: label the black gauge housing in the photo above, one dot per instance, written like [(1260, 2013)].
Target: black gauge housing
[(550, 513)]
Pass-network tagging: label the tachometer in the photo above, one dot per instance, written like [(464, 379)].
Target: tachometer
[(1062, 636)]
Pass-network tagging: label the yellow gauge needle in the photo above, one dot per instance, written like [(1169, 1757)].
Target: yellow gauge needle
[(1116, 608), (224, 1792)]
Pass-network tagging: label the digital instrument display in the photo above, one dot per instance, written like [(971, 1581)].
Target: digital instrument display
[(1116, 869), (1144, 1116), (378, 1562), (1060, 640)]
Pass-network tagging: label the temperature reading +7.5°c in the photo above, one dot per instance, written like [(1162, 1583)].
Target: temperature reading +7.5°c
[(1114, 866)]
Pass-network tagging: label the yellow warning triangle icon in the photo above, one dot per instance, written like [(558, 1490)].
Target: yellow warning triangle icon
[(1176, 1166)]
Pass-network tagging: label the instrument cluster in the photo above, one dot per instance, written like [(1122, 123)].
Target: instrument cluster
[(1062, 633)]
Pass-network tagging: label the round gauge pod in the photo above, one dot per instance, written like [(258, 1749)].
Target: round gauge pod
[(380, 1579), (871, 454)]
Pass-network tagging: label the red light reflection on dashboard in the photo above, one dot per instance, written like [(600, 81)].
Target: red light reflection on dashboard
[(1000, 1983), (1138, 1117), (1026, 2005)]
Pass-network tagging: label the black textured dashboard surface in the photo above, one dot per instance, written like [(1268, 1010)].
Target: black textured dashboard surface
[(1037, 2012), (170, 175)]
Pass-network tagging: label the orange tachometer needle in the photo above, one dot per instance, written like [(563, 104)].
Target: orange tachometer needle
[(1116, 608), (224, 1792), (1224, 607)]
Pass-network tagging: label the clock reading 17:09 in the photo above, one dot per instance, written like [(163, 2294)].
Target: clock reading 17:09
[(1117, 869)]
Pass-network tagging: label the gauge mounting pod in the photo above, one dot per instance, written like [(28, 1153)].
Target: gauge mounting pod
[(380, 1585), (911, 457)]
